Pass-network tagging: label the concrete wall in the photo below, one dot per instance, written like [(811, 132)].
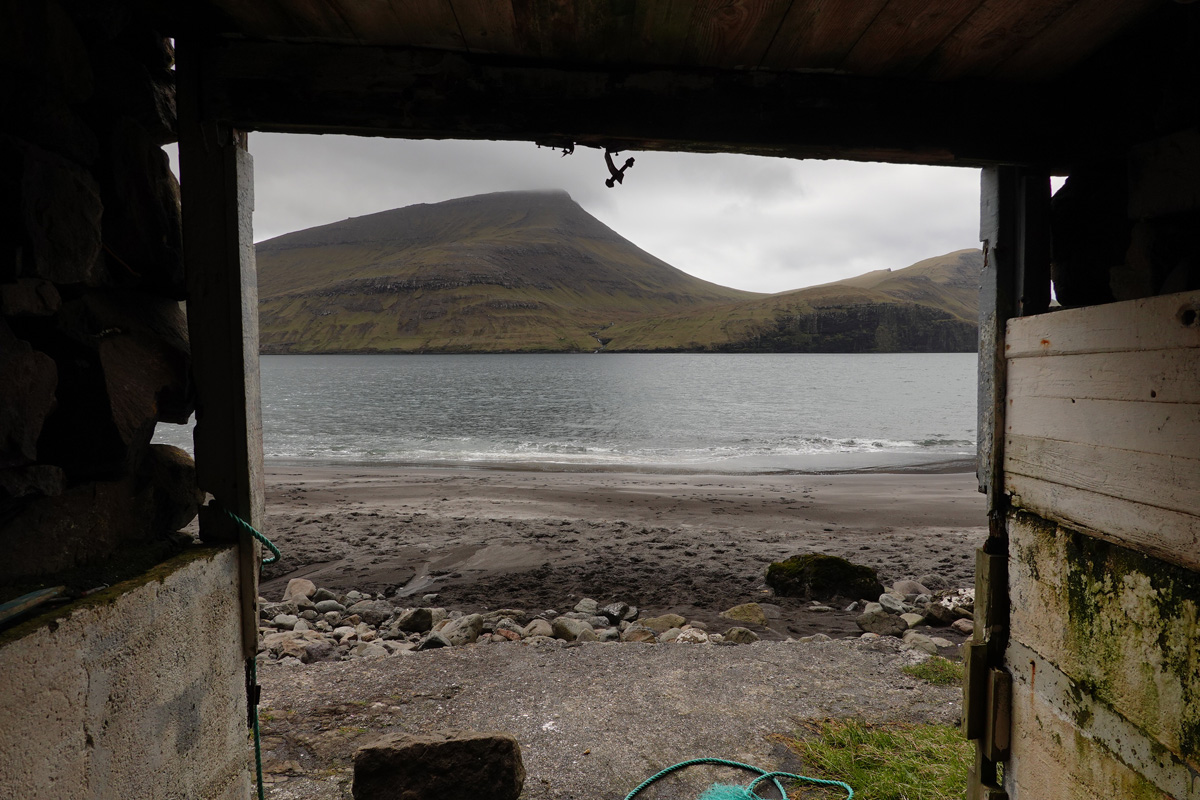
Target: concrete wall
[(135, 692)]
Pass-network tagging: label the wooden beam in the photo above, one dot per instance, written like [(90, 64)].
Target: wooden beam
[(217, 187), (414, 93), (1033, 236), (999, 187)]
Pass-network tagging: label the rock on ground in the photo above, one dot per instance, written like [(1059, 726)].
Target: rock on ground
[(439, 766)]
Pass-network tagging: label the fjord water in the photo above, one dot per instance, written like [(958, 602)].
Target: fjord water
[(702, 412)]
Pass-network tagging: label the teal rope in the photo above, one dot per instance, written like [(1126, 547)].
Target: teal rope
[(762, 776), (257, 740), (276, 555)]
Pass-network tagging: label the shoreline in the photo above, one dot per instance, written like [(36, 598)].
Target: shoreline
[(693, 544), (902, 464)]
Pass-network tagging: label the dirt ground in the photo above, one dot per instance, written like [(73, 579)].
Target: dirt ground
[(594, 720)]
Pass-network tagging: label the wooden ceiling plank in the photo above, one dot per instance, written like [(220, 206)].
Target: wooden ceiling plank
[(416, 93), (904, 34), (370, 20), (264, 19), (818, 34), (1082, 30), (319, 19), (732, 33), (487, 26), (662, 29), (577, 31), (989, 37)]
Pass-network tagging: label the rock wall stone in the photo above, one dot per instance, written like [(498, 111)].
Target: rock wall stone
[(93, 341)]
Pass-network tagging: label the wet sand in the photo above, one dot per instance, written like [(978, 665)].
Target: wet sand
[(535, 540)]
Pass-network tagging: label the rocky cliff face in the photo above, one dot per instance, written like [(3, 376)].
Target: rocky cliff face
[(534, 272), (873, 328)]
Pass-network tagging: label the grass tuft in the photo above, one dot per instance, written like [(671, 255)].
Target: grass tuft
[(941, 671), (894, 761)]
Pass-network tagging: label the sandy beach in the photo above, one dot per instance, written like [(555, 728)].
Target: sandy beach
[(536, 540)]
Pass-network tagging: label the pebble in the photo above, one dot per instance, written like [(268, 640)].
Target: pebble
[(751, 613), (316, 624), (325, 606), (920, 641), (741, 636), (588, 606), (891, 603)]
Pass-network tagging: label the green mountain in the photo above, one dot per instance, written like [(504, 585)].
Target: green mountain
[(534, 272), (504, 272), (931, 306)]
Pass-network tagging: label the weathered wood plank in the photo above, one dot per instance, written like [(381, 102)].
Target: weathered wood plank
[(662, 29), (732, 34), (419, 23), (267, 18), (401, 92), (320, 20), (594, 31), (995, 31), (487, 26), (818, 34), (1154, 376), (1169, 535), (1170, 482), (904, 34), (998, 233), (217, 185), (1079, 31), (1152, 323), (1166, 429)]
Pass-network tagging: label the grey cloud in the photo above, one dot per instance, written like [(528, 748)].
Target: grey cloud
[(755, 223)]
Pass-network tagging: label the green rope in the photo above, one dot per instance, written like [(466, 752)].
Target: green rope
[(276, 555), (763, 775), (257, 739)]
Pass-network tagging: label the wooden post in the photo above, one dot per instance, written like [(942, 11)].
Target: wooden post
[(217, 186), (1033, 239), (1014, 227), (997, 303)]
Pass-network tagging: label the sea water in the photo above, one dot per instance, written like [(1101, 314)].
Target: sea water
[(671, 412)]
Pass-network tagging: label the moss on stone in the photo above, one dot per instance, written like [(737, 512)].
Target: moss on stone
[(821, 575), (107, 597)]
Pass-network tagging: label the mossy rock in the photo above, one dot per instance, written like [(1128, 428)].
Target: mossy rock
[(816, 575)]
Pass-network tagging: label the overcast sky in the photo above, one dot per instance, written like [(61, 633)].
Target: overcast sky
[(761, 224)]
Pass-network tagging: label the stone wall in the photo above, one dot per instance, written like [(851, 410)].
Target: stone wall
[(134, 692), (93, 340)]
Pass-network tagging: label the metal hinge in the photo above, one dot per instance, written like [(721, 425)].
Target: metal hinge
[(987, 691)]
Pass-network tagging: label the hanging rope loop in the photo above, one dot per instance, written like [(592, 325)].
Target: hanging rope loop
[(267, 543)]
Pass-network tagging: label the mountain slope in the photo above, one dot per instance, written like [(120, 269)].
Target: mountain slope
[(931, 306), (504, 272)]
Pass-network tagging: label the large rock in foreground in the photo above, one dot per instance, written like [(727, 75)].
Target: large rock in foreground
[(440, 766), (816, 575)]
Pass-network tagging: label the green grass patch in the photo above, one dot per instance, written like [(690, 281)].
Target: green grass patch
[(941, 671), (884, 762)]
